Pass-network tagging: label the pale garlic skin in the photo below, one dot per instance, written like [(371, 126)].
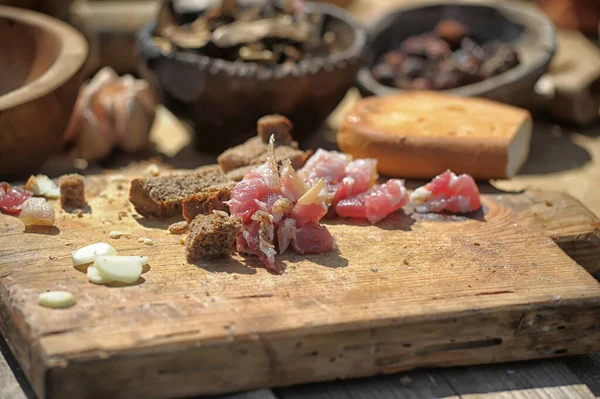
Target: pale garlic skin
[(111, 112)]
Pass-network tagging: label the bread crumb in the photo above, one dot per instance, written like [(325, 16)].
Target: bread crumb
[(549, 203), (182, 240), (116, 234), (72, 191), (153, 170), (144, 240), (178, 227), (78, 212)]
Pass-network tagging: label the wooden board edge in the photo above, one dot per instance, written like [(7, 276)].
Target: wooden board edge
[(12, 328), (480, 337)]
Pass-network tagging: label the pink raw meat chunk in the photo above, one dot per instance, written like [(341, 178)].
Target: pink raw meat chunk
[(376, 203), (12, 199), (448, 192), (277, 206)]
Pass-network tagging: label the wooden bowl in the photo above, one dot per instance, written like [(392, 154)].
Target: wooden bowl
[(223, 99), (41, 61), (527, 29), (56, 8)]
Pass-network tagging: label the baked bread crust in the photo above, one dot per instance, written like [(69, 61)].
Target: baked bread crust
[(421, 134)]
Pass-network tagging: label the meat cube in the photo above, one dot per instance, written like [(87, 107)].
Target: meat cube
[(212, 236), (72, 191), (206, 201)]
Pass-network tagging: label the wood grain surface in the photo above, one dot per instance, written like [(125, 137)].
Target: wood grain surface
[(412, 291)]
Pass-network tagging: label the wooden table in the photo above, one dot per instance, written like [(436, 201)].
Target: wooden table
[(562, 158)]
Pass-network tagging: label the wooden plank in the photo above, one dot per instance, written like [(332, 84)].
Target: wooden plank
[(410, 385), (587, 369), (257, 394), (526, 380), (412, 291), (13, 383)]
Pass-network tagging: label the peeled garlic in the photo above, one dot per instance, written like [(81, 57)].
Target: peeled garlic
[(127, 269), (56, 299), (95, 277), (110, 112), (88, 254)]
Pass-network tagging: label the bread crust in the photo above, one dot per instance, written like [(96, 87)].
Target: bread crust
[(421, 134)]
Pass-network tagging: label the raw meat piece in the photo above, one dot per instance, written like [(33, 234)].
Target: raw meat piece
[(448, 192), (376, 203), (37, 212), (328, 165), (12, 199), (361, 174), (313, 238), (274, 205), (344, 177)]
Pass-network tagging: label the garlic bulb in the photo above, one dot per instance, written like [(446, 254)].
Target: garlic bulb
[(111, 112)]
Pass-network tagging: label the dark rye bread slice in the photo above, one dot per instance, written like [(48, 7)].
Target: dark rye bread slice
[(212, 236), (206, 201), (162, 196)]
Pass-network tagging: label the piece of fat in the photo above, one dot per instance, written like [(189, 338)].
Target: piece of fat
[(88, 253), (126, 269)]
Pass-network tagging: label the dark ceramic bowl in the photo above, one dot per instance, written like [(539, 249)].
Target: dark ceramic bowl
[(223, 99), (528, 30)]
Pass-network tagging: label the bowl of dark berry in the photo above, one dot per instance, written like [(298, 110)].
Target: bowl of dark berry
[(471, 48), (224, 66)]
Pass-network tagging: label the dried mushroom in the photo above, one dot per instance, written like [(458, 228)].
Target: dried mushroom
[(268, 32), (446, 58)]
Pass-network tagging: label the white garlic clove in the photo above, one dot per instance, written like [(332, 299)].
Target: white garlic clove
[(88, 253), (95, 277), (56, 299), (127, 269)]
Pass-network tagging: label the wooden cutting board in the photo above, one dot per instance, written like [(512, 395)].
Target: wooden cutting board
[(412, 291)]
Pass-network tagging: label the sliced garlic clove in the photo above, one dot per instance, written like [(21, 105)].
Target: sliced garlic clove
[(127, 269), (56, 299), (88, 253), (95, 277)]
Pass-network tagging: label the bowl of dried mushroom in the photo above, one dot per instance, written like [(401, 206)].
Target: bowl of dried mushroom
[(224, 67)]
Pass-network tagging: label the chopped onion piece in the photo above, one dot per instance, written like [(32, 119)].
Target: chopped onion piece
[(88, 254), (38, 212), (126, 269), (56, 299)]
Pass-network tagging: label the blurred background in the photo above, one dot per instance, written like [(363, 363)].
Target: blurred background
[(562, 93)]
